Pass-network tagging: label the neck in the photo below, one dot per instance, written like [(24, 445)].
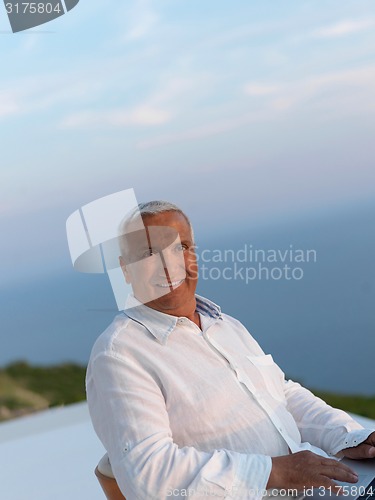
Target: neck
[(195, 319), (184, 310)]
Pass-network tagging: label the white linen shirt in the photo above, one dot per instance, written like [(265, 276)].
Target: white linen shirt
[(190, 413)]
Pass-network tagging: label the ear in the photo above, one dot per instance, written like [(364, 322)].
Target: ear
[(124, 270)]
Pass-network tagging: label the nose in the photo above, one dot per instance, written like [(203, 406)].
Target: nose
[(174, 264)]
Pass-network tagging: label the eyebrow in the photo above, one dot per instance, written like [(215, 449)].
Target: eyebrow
[(186, 240)]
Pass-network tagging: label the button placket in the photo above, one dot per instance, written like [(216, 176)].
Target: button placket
[(246, 382)]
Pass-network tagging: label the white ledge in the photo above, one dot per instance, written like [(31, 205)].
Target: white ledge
[(53, 455)]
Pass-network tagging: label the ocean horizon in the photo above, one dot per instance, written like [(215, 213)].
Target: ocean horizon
[(316, 318)]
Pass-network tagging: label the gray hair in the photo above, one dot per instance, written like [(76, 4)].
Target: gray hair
[(148, 208)]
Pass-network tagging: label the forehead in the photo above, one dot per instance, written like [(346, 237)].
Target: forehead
[(175, 220), (162, 230)]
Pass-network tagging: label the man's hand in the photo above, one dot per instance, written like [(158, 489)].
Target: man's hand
[(306, 469), (363, 450)]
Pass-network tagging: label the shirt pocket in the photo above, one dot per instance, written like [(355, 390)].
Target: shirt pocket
[(270, 374)]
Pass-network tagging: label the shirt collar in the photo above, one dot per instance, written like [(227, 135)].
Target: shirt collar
[(159, 324)]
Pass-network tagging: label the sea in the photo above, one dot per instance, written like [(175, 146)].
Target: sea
[(304, 288)]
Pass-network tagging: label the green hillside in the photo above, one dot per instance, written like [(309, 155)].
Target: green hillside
[(361, 405), (26, 389)]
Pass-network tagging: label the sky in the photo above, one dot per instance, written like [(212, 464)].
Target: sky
[(241, 113), (249, 115)]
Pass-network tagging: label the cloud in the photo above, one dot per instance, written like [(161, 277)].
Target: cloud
[(142, 20), (8, 104), (159, 108), (142, 27), (44, 92), (84, 97), (260, 89), (240, 33), (199, 132), (292, 95), (141, 116), (343, 28), (268, 101)]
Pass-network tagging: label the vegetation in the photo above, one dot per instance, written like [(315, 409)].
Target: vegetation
[(25, 389), (361, 405)]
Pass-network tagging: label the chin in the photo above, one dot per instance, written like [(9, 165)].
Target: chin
[(173, 300)]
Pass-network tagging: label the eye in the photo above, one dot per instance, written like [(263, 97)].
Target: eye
[(180, 247), (147, 253)]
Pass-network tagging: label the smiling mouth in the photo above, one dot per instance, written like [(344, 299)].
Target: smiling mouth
[(174, 284)]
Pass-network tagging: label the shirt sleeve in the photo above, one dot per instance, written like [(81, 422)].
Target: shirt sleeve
[(129, 414), (329, 428)]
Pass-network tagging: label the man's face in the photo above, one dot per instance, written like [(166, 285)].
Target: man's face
[(161, 264)]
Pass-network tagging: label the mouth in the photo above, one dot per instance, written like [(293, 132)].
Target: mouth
[(173, 284)]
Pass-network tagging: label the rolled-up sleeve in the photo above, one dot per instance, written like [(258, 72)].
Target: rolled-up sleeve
[(129, 414)]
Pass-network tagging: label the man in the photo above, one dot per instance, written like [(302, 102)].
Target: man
[(183, 398)]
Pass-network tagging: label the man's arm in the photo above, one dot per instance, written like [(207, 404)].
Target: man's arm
[(329, 428), (130, 416)]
